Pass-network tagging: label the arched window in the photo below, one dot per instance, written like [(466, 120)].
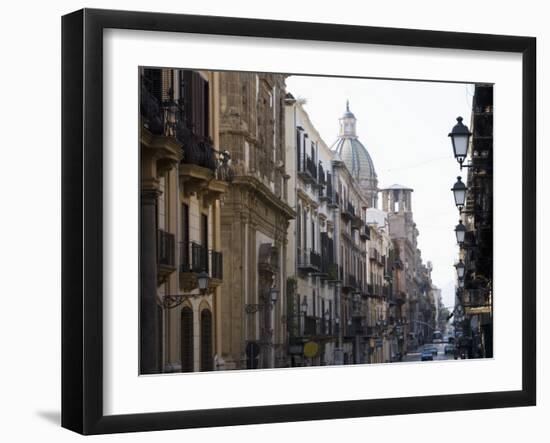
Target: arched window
[(206, 341), (187, 354)]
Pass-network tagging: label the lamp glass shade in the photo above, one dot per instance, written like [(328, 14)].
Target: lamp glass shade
[(304, 306), (460, 138), (460, 231), (459, 192), (460, 269), (202, 279), (274, 293)]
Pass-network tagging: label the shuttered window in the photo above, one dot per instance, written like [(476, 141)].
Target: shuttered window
[(194, 95), (153, 82), (187, 354), (206, 341)]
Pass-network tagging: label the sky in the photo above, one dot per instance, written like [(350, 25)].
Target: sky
[(404, 126)]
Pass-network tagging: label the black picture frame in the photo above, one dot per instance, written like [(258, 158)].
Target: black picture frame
[(82, 190)]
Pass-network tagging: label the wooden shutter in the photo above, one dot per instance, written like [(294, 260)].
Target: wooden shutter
[(207, 363), (187, 353)]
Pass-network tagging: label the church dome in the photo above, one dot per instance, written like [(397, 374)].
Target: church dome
[(356, 157)]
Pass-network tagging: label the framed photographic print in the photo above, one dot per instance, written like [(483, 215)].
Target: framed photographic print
[(270, 221)]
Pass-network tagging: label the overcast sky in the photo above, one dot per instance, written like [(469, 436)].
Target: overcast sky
[(404, 126)]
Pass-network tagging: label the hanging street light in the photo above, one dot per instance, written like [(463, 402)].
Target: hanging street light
[(460, 138), (203, 279), (304, 307), (274, 293), (460, 231), (460, 268), (459, 192), (268, 297)]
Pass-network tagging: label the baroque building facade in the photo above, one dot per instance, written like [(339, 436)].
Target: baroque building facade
[(254, 221), (351, 253), (181, 180), (381, 315), (311, 262), (476, 296)]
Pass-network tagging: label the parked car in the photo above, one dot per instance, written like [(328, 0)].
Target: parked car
[(426, 355), (449, 349), (431, 349)]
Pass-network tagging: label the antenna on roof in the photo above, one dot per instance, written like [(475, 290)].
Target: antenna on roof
[(347, 105)]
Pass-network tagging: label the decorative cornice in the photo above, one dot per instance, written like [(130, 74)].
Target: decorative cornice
[(265, 194)]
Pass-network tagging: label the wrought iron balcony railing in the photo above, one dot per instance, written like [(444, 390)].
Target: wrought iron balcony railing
[(321, 179), (168, 118), (197, 150), (311, 326), (307, 170), (153, 113), (193, 257), (308, 260)]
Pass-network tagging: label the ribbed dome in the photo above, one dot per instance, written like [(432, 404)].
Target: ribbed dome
[(356, 157)]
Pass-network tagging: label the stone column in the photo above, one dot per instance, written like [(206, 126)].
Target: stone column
[(149, 322)]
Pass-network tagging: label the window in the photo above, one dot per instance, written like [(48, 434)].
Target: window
[(204, 230), (313, 235), (187, 352), (207, 363), (194, 101), (184, 259), (299, 229), (152, 79), (204, 242)]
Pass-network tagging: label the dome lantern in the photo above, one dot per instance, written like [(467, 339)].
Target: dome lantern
[(356, 157)]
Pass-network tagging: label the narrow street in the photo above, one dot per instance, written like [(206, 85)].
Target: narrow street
[(416, 354)]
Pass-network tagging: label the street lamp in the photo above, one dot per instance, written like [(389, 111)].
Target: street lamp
[(460, 138), (356, 300), (460, 268), (269, 298), (460, 231), (274, 293), (203, 279), (459, 192), (327, 321), (304, 307), (170, 301)]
